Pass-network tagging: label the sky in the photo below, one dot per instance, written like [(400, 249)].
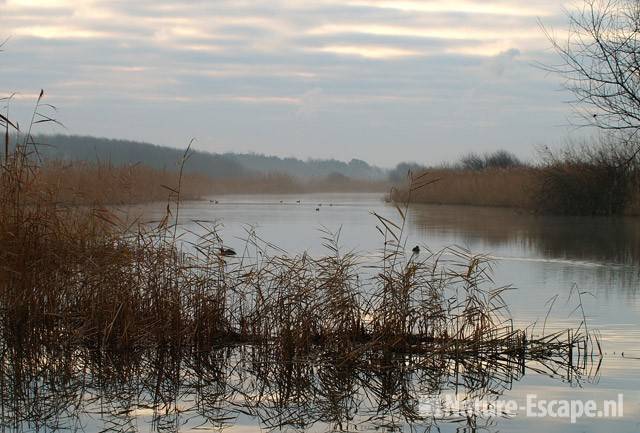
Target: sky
[(380, 80)]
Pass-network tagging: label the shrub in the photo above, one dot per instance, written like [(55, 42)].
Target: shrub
[(498, 159), (589, 179)]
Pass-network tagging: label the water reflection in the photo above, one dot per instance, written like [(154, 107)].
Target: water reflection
[(541, 256), (247, 387), (596, 240)]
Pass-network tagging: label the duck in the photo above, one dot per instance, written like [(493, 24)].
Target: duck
[(317, 209), (416, 250), (227, 251)]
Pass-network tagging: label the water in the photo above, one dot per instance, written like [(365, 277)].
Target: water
[(541, 257)]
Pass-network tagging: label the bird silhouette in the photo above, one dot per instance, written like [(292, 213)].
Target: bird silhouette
[(416, 250), (227, 251)]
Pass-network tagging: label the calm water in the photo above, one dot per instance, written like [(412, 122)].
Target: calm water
[(539, 256)]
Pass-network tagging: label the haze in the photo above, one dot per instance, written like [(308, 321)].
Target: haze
[(385, 81)]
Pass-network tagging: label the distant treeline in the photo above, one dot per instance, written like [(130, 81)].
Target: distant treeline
[(227, 165), (499, 159)]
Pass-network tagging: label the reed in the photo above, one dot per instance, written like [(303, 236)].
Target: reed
[(514, 187), (79, 277), (101, 183), (86, 183), (599, 178)]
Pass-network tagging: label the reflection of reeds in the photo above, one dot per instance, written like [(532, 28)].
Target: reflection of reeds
[(63, 389), (79, 288)]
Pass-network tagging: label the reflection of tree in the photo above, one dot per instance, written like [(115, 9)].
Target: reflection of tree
[(604, 240)]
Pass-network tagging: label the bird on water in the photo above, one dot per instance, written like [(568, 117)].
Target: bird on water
[(416, 250), (227, 251)]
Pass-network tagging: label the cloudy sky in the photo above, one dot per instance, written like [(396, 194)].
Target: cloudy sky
[(381, 80)]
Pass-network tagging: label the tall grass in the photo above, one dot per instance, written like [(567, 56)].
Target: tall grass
[(509, 187), (81, 183), (98, 315), (86, 183), (74, 276), (77, 277), (601, 178)]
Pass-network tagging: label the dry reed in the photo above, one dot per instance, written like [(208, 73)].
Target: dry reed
[(78, 277), (85, 183), (509, 187), (87, 302)]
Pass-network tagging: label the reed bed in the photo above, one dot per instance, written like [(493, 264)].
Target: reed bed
[(514, 187), (599, 178), (80, 277), (123, 315), (101, 183)]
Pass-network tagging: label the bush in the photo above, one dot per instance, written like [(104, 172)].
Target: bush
[(590, 179), (399, 174), (498, 159)]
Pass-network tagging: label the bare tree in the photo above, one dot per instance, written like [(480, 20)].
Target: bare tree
[(601, 63)]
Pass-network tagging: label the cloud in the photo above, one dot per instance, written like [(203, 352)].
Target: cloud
[(503, 60), (401, 64), (483, 7)]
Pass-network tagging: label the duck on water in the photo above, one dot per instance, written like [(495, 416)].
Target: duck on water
[(227, 252)]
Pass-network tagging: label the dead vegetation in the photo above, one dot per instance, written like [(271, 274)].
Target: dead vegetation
[(501, 187), (79, 288), (86, 183), (79, 276), (592, 179)]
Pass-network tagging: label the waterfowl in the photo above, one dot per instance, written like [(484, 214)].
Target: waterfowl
[(416, 250), (318, 209), (227, 251), (298, 201)]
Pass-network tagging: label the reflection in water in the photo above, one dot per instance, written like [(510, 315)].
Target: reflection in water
[(80, 390), (597, 240), (248, 386)]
